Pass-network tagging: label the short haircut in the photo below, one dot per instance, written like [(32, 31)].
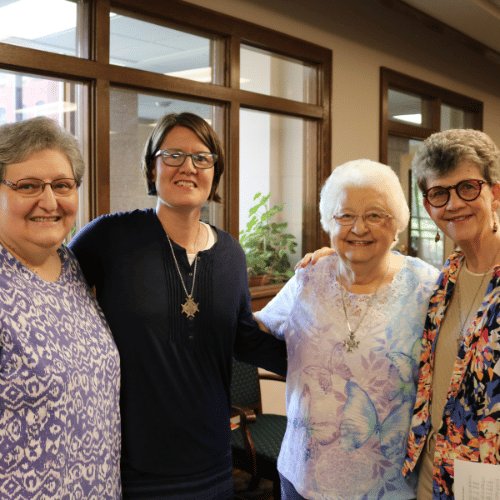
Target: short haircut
[(364, 174), (201, 128), (19, 140), (442, 152)]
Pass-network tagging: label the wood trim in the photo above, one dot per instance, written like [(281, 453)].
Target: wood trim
[(443, 29), (187, 15)]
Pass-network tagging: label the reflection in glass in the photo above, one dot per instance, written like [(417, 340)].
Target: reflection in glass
[(48, 25), (132, 117), (151, 47), (24, 96), (407, 108), (275, 151), (272, 74)]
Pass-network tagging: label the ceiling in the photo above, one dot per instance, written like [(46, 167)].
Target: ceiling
[(478, 19)]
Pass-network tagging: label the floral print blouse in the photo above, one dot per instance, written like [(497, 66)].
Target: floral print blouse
[(471, 419), (349, 412)]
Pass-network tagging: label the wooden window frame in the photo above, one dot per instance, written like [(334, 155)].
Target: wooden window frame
[(435, 96), (100, 75)]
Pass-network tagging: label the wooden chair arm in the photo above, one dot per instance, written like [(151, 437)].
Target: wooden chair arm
[(271, 376), (247, 416)]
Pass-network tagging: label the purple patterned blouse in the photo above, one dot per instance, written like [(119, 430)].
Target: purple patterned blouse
[(59, 387)]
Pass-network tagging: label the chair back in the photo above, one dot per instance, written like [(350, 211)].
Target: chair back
[(245, 386)]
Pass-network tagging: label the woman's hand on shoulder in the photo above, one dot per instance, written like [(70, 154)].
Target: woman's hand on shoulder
[(314, 257)]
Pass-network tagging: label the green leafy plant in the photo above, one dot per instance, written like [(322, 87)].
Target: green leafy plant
[(266, 243)]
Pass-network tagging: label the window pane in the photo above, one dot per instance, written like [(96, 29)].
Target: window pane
[(24, 96), (271, 74), (408, 108), (151, 47), (455, 118), (49, 25), (132, 117), (274, 153), (419, 240)]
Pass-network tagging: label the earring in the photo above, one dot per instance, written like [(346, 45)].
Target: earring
[(495, 226), (437, 237)]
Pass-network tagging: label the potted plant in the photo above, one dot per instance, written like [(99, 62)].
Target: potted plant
[(266, 243)]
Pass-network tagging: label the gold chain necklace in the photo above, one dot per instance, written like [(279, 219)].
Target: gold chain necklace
[(352, 343), (189, 307)]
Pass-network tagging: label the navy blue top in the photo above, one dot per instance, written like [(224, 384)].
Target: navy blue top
[(176, 372)]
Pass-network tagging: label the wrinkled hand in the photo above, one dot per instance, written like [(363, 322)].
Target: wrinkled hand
[(313, 257)]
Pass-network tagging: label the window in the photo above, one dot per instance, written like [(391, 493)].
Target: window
[(136, 61), (24, 95), (411, 110), (51, 25)]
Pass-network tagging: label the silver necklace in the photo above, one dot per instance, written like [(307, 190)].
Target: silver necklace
[(351, 342), (459, 300), (189, 307)]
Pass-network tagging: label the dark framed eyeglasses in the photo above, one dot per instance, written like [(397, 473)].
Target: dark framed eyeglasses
[(467, 190), (34, 187), (177, 158)]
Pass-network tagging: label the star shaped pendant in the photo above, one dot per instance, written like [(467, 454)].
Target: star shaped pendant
[(190, 307), (351, 343)]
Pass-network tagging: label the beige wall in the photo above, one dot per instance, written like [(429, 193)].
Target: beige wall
[(365, 35)]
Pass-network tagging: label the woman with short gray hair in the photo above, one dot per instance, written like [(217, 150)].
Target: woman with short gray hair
[(352, 324), (59, 366), (457, 415)]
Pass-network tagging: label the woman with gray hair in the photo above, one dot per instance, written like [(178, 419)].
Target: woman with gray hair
[(59, 366), (457, 411), (352, 324)]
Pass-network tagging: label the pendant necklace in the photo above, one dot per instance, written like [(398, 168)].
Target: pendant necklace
[(352, 343), (189, 307)]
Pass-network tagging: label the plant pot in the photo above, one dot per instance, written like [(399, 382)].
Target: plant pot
[(259, 280)]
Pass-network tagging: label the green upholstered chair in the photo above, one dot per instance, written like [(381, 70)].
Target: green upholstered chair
[(257, 440)]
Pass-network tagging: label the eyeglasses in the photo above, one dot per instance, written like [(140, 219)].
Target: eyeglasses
[(370, 218), (467, 190), (177, 158), (34, 187)]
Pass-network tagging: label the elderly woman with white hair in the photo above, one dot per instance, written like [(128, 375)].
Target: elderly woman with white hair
[(352, 324)]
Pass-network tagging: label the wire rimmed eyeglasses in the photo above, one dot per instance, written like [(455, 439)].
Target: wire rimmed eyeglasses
[(177, 158), (369, 218), (467, 190), (34, 187)]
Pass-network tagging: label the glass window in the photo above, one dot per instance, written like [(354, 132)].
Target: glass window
[(452, 117), (49, 25), (152, 47), (423, 230), (408, 108), (24, 96), (271, 74), (132, 117), (275, 152), (419, 241)]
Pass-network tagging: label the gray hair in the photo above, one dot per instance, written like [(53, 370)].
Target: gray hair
[(441, 153), (19, 140), (364, 174)]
